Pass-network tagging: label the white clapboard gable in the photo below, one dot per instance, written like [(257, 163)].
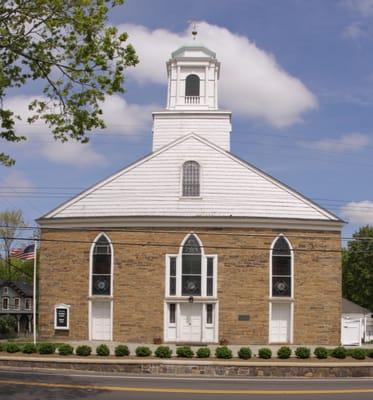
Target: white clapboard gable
[(229, 188)]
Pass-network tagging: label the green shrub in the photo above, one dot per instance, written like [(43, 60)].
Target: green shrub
[(47, 348), (185, 351), (303, 352), (65, 350), (143, 351), (284, 352), (8, 323), (245, 353), (370, 353), (339, 352), (83, 350), (203, 352), (321, 352), (122, 350), (29, 348), (12, 348), (163, 352), (265, 353), (358, 354), (223, 352), (102, 350), (1, 347)]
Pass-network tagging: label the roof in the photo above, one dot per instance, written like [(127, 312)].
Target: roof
[(349, 307), (231, 188), (195, 48), (23, 288)]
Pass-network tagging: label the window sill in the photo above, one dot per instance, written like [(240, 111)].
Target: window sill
[(281, 299), (100, 297), (196, 299), (191, 198)]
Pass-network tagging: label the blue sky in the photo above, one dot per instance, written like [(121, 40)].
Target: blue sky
[(313, 131)]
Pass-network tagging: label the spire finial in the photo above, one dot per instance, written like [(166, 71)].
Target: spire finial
[(194, 28)]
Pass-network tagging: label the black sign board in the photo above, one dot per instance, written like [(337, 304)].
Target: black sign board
[(61, 318), (244, 317)]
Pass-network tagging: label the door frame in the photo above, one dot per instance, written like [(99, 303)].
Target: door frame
[(90, 329), (291, 328)]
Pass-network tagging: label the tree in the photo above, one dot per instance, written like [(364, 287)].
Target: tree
[(357, 267), (67, 45), (10, 223)]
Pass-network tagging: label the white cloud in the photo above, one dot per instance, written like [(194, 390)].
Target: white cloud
[(348, 142), (16, 179), (364, 7), (358, 212), (252, 83), (353, 31)]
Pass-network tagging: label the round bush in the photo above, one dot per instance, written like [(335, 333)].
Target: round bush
[(65, 350), (185, 351), (321, 353), (29, 348), (102, 350), (265, 353), (46, 348), (223, 352), (303, 352), (244, 353), (203, 352), (1, 347), (143, 351), (12, 348), (284, 352), (339, 352), (163, 352), (358, 354), (370, 353), (83, 350), (122, 350)]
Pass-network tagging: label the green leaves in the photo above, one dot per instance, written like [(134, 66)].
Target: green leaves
[(68, 45)]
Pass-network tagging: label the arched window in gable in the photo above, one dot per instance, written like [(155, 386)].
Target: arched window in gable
[(101, 271), (192, 86), (282, 268), (191, 179)]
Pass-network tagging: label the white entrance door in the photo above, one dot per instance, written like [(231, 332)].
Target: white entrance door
[(190, 322), (351, 332), (101, 321), (280, 323)]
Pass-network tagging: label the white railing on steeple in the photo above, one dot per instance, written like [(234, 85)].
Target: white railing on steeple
[(192, 99)]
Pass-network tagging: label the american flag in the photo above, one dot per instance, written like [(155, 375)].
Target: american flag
[(28, 253)]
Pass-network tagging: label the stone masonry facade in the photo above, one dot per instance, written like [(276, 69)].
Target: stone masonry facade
[(243, 282)]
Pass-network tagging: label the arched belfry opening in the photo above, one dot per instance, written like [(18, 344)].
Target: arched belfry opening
[(192, 86)]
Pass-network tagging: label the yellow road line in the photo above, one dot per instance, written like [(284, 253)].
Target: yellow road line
[(183, 390)]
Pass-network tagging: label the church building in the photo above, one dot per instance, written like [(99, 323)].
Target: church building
[(191, 244)]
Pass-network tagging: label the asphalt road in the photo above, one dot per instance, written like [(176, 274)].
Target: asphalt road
[(61, 385)]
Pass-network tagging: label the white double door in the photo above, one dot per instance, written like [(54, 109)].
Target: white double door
[(190, 322), (280, 325), (101, 320)]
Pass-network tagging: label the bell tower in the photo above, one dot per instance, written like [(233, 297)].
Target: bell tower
[(192, 100)]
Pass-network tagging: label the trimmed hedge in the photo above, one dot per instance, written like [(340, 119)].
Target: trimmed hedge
[(284, 352), (358, 354), (339, 352), (223, 352), (321, 353), (46, 348), (265, 353), (65, 350), (163, 352), (83, 350), (143, 351), (203, 352), (12, 348), (303, 352), (370, 353), (185, 351), (102, 350), (244, 353), (29, 348), (122, 350)]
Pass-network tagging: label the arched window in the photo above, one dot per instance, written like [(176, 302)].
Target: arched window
[(192, 86), (101, 267), (281, 268), (191, 268), (191, 184)]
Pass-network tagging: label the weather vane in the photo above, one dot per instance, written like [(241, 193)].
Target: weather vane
[(194, 29)]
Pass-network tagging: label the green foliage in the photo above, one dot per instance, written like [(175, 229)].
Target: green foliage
[(339, 352), (143, 351), (370, 353), (223, 352), (122, 350), (203, 352), (70, 47), (357, 268), (102, 350), (265, 353), (163, 352), (321, 352), (284, 352), (12, 348), (358, 354), (244, 353), (185, 351), (303, 352), (29, 348), (83, 350), (46, 348), (65, 349), (7, 324)]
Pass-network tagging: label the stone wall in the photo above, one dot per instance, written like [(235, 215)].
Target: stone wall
[(243, 282)]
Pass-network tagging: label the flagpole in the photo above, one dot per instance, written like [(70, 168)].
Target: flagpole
[(34, 294)]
